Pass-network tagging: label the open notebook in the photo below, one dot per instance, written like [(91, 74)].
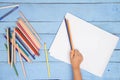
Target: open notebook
[(96, 45)]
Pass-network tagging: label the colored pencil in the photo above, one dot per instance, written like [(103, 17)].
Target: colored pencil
[(23, 68), (20, 46), (22, 52), (11, 6), (26, 41), (27, 36), (29, 25), (69, 34), (28, 50), (12, 53), (9, 46), (6, 46), (5, 15), (14, 38), (14, 67), (31, 35), (46, 54), (13, 63)]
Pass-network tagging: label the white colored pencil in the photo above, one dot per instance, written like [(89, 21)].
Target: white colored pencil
[(30, 26), (12, 57), (23, 68), (11, 6)]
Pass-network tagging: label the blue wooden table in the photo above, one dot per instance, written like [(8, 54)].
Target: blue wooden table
[(46, 17)]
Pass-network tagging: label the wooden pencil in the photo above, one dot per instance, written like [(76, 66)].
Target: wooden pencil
[(11, 6), (27, 36), (21, 22), (18, 48), (29, 25), (5, 15), (22, 64), (12, 53), (14, 38), (47, 63), (28, 50), (22, 52), (69, 34), (26, 41), (14, 67), (9, 46)]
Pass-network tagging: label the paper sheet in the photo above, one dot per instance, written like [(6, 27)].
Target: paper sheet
[(96, 45)]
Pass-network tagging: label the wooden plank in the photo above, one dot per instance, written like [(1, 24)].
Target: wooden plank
[(46, 19), (44, 38), (38, 70), (56, 12), (48, 38), (60, 1), (3, 58), (52, 27), (110, 73)]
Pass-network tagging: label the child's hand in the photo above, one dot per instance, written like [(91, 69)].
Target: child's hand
[(76, 59)]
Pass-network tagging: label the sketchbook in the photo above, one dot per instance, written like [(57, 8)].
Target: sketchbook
[(95, 44)]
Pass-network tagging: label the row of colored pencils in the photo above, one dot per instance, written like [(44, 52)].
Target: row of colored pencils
[(24, 40)]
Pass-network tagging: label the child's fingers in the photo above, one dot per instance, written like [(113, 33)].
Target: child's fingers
[(71, 54), (79, 54), (76, 52)]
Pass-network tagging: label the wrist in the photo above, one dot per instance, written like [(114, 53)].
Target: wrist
[(76, 68)]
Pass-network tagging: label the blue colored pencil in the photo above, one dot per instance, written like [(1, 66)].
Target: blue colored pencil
[(8, 13), (33, 56)]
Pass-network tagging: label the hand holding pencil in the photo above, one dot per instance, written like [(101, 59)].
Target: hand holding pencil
[(75, 56)]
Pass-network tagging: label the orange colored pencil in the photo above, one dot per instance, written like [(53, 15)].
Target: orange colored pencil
[(36, 52)]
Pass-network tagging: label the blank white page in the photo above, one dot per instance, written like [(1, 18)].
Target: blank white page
[(96, 45)]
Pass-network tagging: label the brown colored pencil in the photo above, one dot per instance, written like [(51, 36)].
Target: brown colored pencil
[(31, 35), (26, 41)]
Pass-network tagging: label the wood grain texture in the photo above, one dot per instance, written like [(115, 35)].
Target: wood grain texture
[(56, 12), (3, 58), (60, 1), (46, 17), (37, 70)]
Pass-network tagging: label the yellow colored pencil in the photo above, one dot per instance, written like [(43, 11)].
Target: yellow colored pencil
[(46, 54)]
